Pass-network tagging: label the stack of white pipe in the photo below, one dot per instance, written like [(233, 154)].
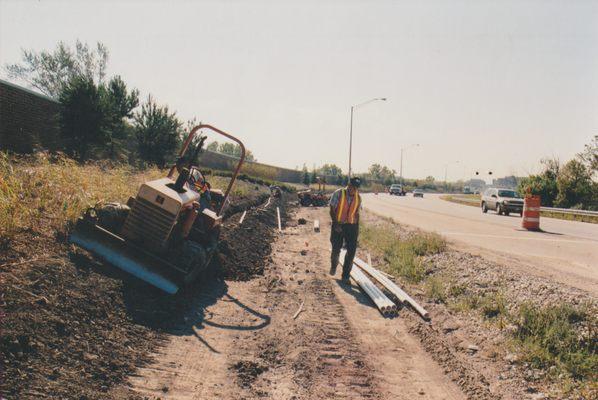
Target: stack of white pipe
[(391, 286), (386, 307), (384, 304)]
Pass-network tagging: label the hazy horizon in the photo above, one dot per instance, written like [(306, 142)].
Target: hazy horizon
[(494, 85)]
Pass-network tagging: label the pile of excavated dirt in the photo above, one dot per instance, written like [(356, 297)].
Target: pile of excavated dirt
[(73, 327), (243, 247)]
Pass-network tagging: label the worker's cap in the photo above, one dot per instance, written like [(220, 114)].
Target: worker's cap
[(355, 182)]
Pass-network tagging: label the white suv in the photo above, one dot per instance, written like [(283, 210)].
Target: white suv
[(503, 201)]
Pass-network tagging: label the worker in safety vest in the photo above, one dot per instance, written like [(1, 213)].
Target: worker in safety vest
[(345, 204)]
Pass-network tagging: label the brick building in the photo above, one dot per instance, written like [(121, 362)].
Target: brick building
[(28, 120)]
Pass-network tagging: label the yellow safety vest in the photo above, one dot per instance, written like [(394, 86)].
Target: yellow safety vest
[(346, 211)]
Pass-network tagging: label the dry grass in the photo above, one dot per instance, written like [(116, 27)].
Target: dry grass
[(41, 193)]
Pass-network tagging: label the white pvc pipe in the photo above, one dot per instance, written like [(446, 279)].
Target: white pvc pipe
[(278, 214), (383, 303), (242, 217), (391, 286)]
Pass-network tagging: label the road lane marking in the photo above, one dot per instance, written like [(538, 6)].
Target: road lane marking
[(512, 237)]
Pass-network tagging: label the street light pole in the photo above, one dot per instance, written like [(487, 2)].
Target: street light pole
[(351, 127), (350, 141)]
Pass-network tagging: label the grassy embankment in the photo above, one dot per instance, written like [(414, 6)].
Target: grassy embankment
[(44, 193), (561, 339), (468, 200)]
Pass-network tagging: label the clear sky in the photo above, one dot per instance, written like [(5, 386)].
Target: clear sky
[(492, 84)]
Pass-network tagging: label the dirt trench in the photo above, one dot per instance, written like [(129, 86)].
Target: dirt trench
[(293, 333)]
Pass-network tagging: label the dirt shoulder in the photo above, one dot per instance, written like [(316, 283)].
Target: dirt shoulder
[(246, 343)]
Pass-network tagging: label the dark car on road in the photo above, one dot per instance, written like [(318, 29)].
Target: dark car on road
[(397, 189), (503, 201)]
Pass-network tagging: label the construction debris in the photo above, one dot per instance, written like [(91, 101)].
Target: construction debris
[(299, 310)]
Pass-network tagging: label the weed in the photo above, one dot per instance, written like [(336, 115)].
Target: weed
[(563, 336), (403, 256), (435, 289)]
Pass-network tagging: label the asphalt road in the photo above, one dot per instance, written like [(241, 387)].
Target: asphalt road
[(566, 251)]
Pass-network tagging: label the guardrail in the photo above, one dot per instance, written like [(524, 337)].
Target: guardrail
[(569, 211), (547, 209)]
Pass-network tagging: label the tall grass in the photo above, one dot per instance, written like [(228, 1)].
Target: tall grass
[(404, 256), (42, 192)]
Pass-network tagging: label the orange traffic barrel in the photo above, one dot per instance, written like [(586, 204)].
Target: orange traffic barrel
[(531, 213)]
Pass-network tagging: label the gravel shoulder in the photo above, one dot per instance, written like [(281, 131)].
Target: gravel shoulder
[(474, 343)]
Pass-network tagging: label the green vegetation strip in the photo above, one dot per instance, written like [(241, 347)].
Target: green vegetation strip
[(561, 339), (404, 257), (592, 219)]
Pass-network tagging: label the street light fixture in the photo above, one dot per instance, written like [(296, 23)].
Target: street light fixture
[(401, 169), (351, 127)]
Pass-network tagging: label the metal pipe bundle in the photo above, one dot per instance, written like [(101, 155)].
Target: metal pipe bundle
[(391, 286)]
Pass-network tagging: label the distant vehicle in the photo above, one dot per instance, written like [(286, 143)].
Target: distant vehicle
[(397, 189), (503, 201), (418, 193), (467, 190)]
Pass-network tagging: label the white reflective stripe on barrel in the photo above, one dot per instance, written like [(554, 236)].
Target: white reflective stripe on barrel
[(530, 219), (531, 208)]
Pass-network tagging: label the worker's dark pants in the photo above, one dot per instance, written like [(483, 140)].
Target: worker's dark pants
[(348, 234)]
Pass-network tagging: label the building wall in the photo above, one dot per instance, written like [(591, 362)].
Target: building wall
[(28, 120)]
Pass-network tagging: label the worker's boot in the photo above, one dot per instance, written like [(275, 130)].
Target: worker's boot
[(346, 272)]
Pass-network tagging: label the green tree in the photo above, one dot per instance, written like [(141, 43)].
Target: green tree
[(330, 170), (82, 117), (306, 177), (234, 150), (51, 71), (118, 104), (157, 131), (213, 146), (314, 175), (590, 155), (543, 184), (575, 186)]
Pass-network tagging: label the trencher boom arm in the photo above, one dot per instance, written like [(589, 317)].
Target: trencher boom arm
[(231, 137)]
